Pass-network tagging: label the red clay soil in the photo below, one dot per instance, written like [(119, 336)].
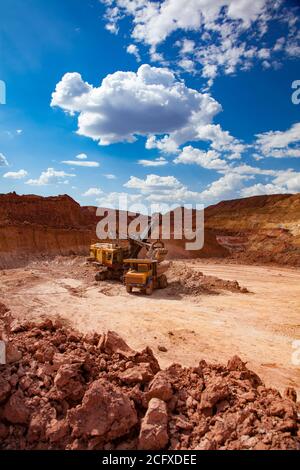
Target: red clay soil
[(63, 390)]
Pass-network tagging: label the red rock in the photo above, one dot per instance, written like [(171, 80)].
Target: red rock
[(236, 363), (17, 326), (154, 427), (57, 430), (68, 381), (46, 324), (283, 409), (206, 444), (182, 423), (36, 428), (92, 338), (15, 410), (214, 393), (261, 446), (74, 337), (141, 373), (5, 389), (160, 387), (105, 411), (290, 393), (146, 355), (12, 353), (4, 431), (112, 343)]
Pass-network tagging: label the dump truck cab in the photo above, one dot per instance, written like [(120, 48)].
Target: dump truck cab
[(143, 275)]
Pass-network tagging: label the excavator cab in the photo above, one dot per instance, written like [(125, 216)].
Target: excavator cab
[(106, 254), (108, 258)]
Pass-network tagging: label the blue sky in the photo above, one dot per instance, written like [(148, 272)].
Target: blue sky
[(195, 106)]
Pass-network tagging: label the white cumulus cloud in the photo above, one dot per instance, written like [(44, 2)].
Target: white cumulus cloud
[(93, 192), (160, 161), (127, 104), (227, 34), (16, 175), (280, 144), (50, 176), (133, 50)]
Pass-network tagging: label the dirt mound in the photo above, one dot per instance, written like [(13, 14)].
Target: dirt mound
[(70, 391), (186, 281)]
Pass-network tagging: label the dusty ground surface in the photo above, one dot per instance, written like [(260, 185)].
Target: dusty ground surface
[(259, 326)]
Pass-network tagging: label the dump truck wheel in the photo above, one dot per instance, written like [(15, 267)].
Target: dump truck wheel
[(163, 282), (101, 276), (149, 289), (129, 289)]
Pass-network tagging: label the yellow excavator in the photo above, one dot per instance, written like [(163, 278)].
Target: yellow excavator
[(108, 258), (111, 259)]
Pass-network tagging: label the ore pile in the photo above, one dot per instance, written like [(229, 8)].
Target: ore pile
[(186, 281), (64, 390)]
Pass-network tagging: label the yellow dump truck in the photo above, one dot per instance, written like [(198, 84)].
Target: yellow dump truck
[(145, 275), (109, 258)]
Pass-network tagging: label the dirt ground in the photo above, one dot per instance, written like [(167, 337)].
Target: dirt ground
[(259, 326)]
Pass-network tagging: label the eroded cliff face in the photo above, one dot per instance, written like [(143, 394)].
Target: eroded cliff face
[(262, 229), (33, 227)]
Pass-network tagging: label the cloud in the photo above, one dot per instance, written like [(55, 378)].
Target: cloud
[(110, 176), (169, 190), (233, 183), (218, 139), (210, 159), (81, 156), (223, 188), (119, 200), (285, 182), (133, 50), (155, 21), (50, 176), (187, 65), (229, 32), (3, 160), (81, 163), (16, 175), (160, 161), (92, 192), (152, 182), (127, 104), (280, 144), (260, 189), (187, 46)]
